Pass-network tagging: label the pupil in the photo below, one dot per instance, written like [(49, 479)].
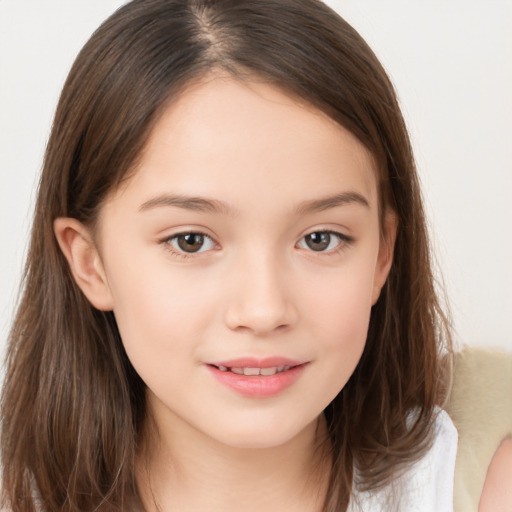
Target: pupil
[(318, 241), (191, 242)]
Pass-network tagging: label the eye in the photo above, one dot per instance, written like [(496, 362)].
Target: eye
[(323, 241), (191, 242)]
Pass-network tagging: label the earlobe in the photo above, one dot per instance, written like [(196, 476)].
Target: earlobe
[(84, 261), (385, 257)]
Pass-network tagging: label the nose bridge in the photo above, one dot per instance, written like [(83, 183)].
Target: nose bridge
[(260, 299)]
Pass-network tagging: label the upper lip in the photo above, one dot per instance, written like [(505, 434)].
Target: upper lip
[(255, 362)]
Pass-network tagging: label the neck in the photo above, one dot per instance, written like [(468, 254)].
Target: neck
[(183, 469)]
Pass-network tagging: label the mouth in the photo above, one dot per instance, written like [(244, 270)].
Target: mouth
[(254, 366), (258, 378), (255, 371)]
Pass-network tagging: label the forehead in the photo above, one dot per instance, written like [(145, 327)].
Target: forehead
[(227, 137)]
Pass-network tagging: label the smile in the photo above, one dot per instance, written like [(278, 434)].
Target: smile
[(272, 370), (257, 378)]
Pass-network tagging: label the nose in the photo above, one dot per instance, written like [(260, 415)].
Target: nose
[(260, 300)]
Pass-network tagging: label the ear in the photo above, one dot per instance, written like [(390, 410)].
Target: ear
[(84, 261), (385, 256)]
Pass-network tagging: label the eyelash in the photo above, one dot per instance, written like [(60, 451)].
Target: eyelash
[(167, 242), (343, 242)]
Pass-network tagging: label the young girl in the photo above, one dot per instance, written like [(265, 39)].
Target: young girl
[(228, 300)]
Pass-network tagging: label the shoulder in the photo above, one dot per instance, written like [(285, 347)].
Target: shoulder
[(497, 491), (423, 486)]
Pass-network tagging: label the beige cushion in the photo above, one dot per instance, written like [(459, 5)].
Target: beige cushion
[(480, 406)]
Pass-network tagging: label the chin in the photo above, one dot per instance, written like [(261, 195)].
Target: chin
[(261, 435), (255, 441)]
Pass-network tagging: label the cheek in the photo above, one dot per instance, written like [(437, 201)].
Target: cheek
[(339, 317), (159, 313), (344, 332), (340, 305)]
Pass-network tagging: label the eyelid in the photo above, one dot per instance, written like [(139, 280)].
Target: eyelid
[(344, 241), (166, 242)]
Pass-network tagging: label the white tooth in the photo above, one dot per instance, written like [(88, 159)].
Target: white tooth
[(280, 369), (251, 371), (268, 371), (286, 368), (238, 371), (222, 368)]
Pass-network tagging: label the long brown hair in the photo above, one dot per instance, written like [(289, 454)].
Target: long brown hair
[(72, 405)]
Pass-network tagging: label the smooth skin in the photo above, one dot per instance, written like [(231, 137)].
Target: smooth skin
[(497, 492), (250, 229), (290, 262)]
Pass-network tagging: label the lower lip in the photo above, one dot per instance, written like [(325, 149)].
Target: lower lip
[(258, 386)]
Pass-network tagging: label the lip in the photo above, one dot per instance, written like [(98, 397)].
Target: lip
[(258, 386), (256, 362)]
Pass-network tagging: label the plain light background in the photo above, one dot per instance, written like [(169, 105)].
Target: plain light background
[(451, 62)]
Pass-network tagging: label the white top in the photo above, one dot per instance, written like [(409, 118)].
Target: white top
[(426, 486)]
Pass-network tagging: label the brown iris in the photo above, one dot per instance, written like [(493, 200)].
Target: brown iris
[(318, 241), (190, 242)]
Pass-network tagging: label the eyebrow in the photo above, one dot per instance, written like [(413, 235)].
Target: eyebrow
[(325, 203), (202, 204), (199, 204)]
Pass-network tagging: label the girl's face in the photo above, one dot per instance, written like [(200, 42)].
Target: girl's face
[(241, 262)]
